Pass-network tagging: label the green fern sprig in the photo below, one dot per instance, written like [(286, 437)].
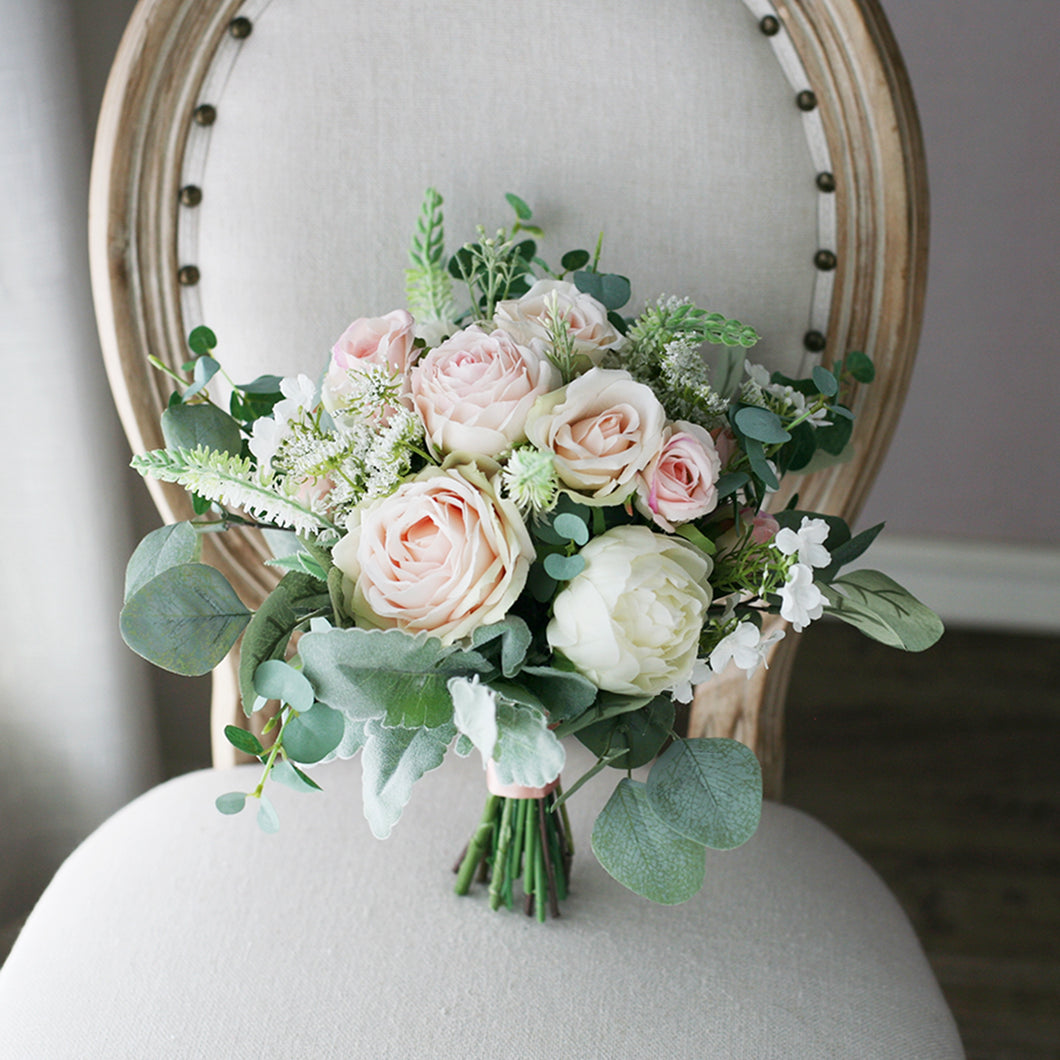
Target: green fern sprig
[(228, 480), (672, 318), (427, 284)]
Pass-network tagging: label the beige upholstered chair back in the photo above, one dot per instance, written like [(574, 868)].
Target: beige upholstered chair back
[(259, 166)]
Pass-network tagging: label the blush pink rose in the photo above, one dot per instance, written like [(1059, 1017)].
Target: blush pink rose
[(680, 483), (474, 391), (380, 342), (443, 554), (602, 429), (763, 527), (526, 318)]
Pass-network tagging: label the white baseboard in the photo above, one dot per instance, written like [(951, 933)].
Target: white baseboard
[(976, 583)]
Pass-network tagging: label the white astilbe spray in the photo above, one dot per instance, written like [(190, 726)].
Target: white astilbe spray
[(786, 401)]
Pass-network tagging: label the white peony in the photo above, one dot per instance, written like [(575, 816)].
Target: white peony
[(630, 621)]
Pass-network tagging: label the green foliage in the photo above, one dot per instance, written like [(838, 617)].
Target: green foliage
[(609, 289), (860, 366), (275, 679), (243, 741), (567, 694), (513, 637), (708, 790), (427, 283), (290, 776), (760, 424), (202, 426), (527, 751), (186, 619), (635, 736), (286, 608), (168, 546), (386, 674), (882, 610), (268, 818), (642, 852), (231, 802), (392, 761), (202, 341), (561, 568), (311, 736)]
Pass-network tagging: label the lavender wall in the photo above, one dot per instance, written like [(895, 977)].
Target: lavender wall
[(975, 452)]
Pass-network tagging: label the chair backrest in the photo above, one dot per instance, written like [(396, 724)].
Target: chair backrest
[(259, 165)]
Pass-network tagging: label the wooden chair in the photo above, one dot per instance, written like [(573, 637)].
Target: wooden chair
[(258, 167)]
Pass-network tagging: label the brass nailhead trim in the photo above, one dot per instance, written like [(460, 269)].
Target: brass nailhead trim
[(188, 275), (770, 26), (205, 114), (814, 341), (826, 181), (190, 195), (825, 260), (806, 100), (240, 28)]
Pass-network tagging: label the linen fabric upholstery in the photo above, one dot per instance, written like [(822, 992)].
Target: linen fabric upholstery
[(217, 940)]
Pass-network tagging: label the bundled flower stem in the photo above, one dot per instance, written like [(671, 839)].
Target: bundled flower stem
[(520, 838)]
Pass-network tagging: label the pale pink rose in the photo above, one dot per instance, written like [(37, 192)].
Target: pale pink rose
[(679, 484), (725, 444), (526, 318), (443, 554), (377, 342), (602, 429), (474, 391)]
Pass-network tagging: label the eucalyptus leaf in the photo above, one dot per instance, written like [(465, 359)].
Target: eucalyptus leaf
[(168, 546), (883, 610), (311, 736), (231, 802), (206, 426), (708, 790), (637, 734), (761, 424), (851, 550), (571, 527), (574, 260), (643, 853), (270, 630), (290, 776), (860, 366), (563, 568), (567, 694), (522, 210), (186, 619), (393, 760), (243, 741), (268, 818), (205, 369), (275, 679), (825, 381), (608, 288), (759, 465), (201, 340)]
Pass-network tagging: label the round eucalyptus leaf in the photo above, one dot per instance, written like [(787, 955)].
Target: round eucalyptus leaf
[(642, 852), (709, 790), (243, 741), (825, 381), (314, 734), (168, 546), (205, 425), (231, 802), (185, 619), (276, 679), (761, 424), (571, 528), (563, 568)]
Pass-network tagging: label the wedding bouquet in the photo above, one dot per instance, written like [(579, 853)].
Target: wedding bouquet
[(495, 528)]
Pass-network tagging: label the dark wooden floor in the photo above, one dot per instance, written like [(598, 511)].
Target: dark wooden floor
[(942, 771)]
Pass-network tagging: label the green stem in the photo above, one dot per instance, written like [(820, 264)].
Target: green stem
[(500, 858), (476, 849)]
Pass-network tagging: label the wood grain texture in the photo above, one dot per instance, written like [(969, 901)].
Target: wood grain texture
[(870, 121)]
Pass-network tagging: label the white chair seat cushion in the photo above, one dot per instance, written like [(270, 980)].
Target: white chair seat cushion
[(175, 932)]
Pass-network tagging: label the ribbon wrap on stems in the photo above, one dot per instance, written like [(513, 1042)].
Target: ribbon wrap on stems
[(524, 834)]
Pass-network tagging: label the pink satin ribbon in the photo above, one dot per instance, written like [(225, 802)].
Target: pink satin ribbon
[(514, 791)]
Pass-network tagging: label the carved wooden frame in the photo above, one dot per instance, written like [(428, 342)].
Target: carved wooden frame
[(873, 134)]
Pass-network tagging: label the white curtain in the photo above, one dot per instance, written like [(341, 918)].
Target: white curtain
[(76, 734)]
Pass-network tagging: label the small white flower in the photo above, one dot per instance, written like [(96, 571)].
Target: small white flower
[(757, 373), (808, 541), (684, 690), (800, 600), (744, 646), (300, 392)]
